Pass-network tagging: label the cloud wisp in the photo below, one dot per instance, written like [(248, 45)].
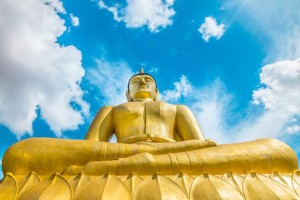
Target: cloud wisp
[(155, 14), (273, 112), (181, 89), (210, 28), (275, 22), (35, 71), (210, 104), (110, 79)]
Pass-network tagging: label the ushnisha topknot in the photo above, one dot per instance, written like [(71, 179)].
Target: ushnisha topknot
[(141, 73)]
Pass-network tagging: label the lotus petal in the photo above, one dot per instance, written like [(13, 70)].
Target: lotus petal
[(184, 181), (209, 186), (28, 182), (257, 186), (159, 187), (56, 187), (8, 187), (132, 181), (105, 187), (79, 181), (234, 179)]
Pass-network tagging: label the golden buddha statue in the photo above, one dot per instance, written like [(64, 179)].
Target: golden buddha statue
[(152, 136)]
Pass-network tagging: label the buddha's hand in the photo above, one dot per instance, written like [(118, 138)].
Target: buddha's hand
[(73, 169), (179, 146)]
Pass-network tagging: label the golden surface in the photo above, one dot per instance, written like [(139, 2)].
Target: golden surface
[(155, 140), (230, 185)]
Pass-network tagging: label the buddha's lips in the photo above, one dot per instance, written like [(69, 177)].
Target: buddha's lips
[(143, 87)]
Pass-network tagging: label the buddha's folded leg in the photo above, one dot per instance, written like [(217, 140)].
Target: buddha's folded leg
[(46, 155), (263, 156)]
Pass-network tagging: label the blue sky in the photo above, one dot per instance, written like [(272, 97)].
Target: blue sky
[(235, 63)]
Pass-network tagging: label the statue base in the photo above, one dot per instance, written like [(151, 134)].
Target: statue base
[(157, 186)]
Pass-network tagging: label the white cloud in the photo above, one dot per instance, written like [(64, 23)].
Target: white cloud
[(155, 14), (282, 87), (293, 129), (57, 5), (74, 20), (182, 88), (210, 28), (281, 91), (111, 80), (37, 73)]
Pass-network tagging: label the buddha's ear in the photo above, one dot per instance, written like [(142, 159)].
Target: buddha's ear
[(128, 96), (156, 98)]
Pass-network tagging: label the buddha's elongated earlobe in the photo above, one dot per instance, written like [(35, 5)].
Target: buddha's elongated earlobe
[(128, 96), (156, 98)]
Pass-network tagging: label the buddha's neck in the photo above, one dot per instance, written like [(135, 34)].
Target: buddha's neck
[(143, 100)]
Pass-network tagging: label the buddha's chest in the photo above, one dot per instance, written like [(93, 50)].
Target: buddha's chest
[(144, 118)]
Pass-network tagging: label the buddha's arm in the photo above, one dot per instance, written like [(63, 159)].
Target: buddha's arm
[(102, 127), (186, 125), (47, 155)]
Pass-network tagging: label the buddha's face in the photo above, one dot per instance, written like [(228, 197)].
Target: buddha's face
[(142, 88)]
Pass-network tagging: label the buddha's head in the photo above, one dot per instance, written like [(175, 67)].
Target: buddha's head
[(142, 87)]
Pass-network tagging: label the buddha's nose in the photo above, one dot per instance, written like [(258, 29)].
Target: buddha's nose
[(143, 82)]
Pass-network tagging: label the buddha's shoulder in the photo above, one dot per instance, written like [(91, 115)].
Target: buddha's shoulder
[(105, 109), (182, 107)]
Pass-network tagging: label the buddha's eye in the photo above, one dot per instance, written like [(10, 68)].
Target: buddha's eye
[(148, 80), (135, 81)]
